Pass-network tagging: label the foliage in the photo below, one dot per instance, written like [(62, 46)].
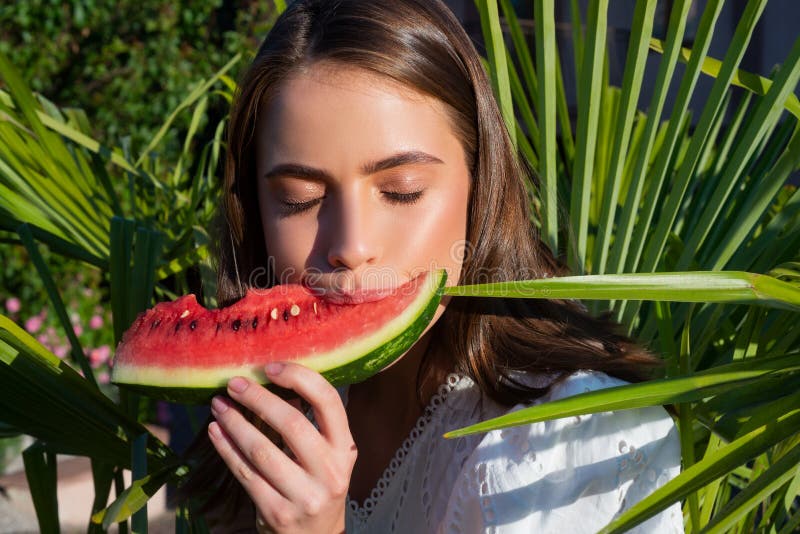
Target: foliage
[(127, 63), (137, 221), (647, 194)]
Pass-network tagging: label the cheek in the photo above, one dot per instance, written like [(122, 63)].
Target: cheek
[(436, 235), (288, 244)]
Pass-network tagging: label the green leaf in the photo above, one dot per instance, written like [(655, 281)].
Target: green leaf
[(765, 115), (45, 398), (642, 28), (589, 92), (546, 63), (55, 298), (496, 52), (756, 492), (736, 50), (653, 393), (701, 286), (741, 78), (628, 250), (40, 470), (686, 419), (135, 497), (196, 94)]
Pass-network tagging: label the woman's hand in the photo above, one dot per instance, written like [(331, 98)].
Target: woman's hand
[(306, 494)]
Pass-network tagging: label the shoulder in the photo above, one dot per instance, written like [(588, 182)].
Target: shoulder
[(595, 466)]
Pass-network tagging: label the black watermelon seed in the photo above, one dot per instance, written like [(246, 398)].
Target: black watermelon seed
[(219, 327), (177, 326), (193, 325), (255, 322), (155, 324), (236, 325), (285, 315)]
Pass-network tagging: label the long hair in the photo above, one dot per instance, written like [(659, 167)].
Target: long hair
[(421, 45)]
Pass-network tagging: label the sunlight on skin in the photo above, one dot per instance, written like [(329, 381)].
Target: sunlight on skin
[(324, 213)]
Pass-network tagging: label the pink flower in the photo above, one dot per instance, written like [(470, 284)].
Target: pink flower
[(103, 377), (41, 338), (96, 322), (78, 329), (99, 356), (13, 305), (61, 351), (33, 324)]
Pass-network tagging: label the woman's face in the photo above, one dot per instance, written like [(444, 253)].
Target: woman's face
[(362, 183)]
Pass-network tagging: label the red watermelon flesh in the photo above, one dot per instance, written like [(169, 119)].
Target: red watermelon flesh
[(181, 344)]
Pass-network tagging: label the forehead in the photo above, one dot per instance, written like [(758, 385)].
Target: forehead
[(344, 110)]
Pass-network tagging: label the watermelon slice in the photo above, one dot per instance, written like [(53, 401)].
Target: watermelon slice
[(181, 351)]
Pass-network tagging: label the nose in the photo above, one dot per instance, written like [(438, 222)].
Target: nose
[(354, 237)]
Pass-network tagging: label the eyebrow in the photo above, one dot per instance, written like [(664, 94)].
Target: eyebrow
[(412, 157)]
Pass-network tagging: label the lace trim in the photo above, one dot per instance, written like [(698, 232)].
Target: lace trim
[(362, 513)]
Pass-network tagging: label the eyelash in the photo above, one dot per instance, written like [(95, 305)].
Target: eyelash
[(292, 208)]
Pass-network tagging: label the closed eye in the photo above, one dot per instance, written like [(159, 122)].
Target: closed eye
[(402, 198), (292, 208)]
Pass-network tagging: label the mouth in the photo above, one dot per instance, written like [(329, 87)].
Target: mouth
[(359, 296), (338, 294)]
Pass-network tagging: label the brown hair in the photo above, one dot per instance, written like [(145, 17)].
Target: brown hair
[(420, 44)]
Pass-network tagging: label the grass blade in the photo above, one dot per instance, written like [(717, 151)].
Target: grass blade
[(55, 299), (642, 28), (747, 80), (546, 60), (496, 54), (686, 419), (736, 51), (652, 393), (699, 286), (756, 493), (135, 497), (765, 116), (40, 470), (627, 249), (588, 111), (757, 203)]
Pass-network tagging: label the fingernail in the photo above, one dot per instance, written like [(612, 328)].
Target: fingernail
[(274, 368), (213, 429), (218, 405), (237, 384)]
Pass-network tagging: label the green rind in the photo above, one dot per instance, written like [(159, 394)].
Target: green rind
[(354, 371)]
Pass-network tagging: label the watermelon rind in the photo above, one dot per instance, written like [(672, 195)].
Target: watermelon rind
[(352, 362)]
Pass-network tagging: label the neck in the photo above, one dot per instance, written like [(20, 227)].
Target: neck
[(395, 389)]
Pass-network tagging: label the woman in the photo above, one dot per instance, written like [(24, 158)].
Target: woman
[(364, 147)]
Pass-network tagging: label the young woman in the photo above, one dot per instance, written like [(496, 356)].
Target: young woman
[(365, 146)]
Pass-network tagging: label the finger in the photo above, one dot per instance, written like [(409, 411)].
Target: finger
[(308, 445), (258, 453), (264, 495), (328, 408)]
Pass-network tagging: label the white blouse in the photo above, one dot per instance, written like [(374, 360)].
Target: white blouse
[(567, 475)]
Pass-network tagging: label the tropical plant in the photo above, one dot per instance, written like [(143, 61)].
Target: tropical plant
[(141, 222), (689, 234), (648, 192), (89, 52)]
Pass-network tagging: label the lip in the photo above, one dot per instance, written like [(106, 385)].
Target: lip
[(358, 296)]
